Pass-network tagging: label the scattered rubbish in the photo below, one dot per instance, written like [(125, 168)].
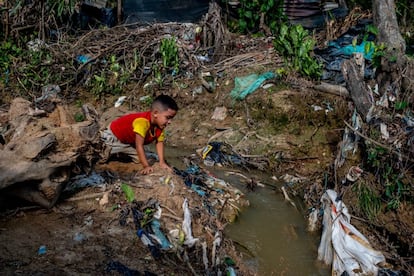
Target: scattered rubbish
[(349, 141), (312, 220), (88, 221), (159, 235), (42, 250), (342, 245), (231, 271), (267, 86), (220, 113), (354, 173), (120, 101), (189, 239), (244, 86), (316, 107), (84, 180), (384, 132), (36, 45), (221, 154), (203, 58), (291, 179), (208, 82), (356, 40), (197, 90), (363, 48), (216, 243), (48, 91), (146, 70), (79, 237), (145, 98), (83, 59)]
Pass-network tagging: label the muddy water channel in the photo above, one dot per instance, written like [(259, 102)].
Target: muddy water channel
[(271, 233)]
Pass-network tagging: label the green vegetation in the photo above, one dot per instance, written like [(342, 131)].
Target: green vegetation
[(295, 45), (128, 191), (395, 183), (169, 53), (250, 13), (368, 202), (9, 52)]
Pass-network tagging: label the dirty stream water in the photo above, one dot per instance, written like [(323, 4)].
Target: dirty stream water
[(271, 233)]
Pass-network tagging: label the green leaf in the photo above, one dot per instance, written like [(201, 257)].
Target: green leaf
[(400, 105), (129, 193)]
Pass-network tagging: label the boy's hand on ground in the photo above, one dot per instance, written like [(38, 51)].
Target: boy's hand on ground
[(147, 170)]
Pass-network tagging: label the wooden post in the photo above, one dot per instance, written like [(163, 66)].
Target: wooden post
[(119, 11)]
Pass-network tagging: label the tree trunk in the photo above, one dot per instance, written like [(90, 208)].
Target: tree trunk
[(394, 73), (39, 153), (385, 19)]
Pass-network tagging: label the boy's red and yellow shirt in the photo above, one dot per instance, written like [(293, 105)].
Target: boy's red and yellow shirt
[(126, 127)]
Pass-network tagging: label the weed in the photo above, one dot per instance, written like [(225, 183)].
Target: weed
[(368, 202), (79, 117), (250, 13), (296, 46), (169, 54)]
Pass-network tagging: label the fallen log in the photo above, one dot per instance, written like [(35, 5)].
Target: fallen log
[(39, 152), (353, 71)]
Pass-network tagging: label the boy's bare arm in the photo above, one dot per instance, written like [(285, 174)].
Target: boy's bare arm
[(139, 146), (160, 151)]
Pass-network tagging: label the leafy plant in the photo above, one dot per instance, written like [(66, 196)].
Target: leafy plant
[(296, 46), (98, 84), (79, 117), (368, 201), (128, 191), (250, 13), (169, 53), (61, 7), (8, 52)]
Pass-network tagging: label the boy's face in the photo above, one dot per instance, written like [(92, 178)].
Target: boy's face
[(163, 118)]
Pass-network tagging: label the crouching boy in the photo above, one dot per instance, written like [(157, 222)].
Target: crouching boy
[(129, 133)]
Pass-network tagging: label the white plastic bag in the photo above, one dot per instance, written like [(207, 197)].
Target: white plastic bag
[(342, 245)]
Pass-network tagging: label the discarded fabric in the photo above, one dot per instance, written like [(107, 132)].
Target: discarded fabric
[(244, 86), (189, 239), (342, 245)]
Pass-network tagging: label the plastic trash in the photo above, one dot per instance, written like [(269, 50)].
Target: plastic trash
[(244, 86), (36, 45), (364, 48), (354, 173), (342, 245), (42, 250), (83, 59), (79, 237), (84, 180), (146, 240), (120, 101), (216, 243), (50, 90), (155, 227), (186, 226)]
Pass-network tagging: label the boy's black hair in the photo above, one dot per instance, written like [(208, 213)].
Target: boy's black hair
[(165, 101)]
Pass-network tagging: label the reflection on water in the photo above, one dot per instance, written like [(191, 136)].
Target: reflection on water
[(271, 232)]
